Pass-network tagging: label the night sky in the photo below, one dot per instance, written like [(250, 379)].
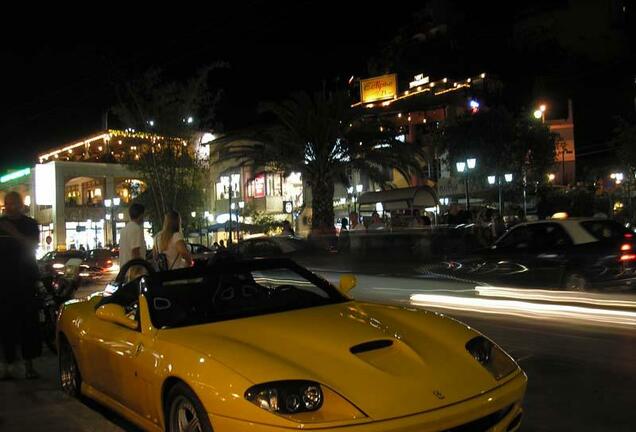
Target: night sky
[(59, 66), (59, 80)]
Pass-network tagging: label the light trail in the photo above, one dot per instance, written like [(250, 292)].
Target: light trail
[(526, 309)]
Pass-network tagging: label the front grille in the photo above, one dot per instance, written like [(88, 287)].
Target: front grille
[(484, 423)]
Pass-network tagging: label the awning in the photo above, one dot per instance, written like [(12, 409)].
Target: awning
[(225, 227), (418, 197)]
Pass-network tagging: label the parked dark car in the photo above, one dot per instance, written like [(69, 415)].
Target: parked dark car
[(199, 252), (104, 259), (572, 254), (292, 247), (53, 262)]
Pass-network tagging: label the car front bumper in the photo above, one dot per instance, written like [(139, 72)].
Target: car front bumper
[(506, 397)]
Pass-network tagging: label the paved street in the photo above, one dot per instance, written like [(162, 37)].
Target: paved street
[(578, 370)]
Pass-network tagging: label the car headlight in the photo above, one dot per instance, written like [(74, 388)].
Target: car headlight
[(58, 266), (286, 397), (491, 357)]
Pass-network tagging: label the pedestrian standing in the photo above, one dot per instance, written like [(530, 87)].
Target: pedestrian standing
[(344, 241), (132, 244), (170, 242), (19, 323)]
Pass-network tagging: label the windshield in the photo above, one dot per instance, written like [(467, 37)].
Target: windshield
[(236, 292)]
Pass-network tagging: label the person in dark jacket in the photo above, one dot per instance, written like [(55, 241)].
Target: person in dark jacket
[(19, 323)]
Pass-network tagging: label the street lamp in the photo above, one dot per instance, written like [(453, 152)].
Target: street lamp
[(464, 167), (551, 177), (112, 204), (539, 113), (356, 207), (617, 177), (497, 179), (241, 206)]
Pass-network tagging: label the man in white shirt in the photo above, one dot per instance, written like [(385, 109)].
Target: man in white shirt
[(131, 241)]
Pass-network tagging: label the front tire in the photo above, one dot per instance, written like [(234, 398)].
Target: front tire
[(70, 377), (575, 282), (185, 411)]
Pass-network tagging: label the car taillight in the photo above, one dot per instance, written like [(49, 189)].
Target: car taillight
[(628, 257), (628, 235), (109, 262), (626, 247)]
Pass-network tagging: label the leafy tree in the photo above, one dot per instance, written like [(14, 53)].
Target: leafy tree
[(171, 112), (501, 143), (321, 137)]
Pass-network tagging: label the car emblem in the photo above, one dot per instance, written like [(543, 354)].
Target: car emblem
[(438, 394)]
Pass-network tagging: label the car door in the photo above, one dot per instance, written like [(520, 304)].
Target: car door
[(509, 260), (112, 351), (549, 252)]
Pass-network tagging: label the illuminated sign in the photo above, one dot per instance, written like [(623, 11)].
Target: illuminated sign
[(15, 174), (259, 186), (419, 80), (378, 88)]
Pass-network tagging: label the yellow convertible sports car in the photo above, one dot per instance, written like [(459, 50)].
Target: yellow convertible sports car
[(266, 345)]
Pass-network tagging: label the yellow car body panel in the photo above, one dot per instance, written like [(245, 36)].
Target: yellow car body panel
[(426, 380)]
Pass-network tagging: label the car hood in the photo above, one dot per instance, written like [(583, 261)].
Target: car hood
[(425, 367)]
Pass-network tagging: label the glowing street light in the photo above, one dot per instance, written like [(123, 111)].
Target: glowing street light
[(617, 177), (497, 179), (539, 113), (462, 167), (551, 177)]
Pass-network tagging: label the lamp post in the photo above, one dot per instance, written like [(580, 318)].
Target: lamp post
[(497, 179), (239, 210), (228, 190), (618, 178), (465, 167), (193, 214), (207, 227), (112, 204)]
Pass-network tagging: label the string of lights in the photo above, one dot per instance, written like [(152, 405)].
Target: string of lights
[(458, 85)]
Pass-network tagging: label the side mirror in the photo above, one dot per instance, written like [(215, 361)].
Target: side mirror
[(347, 283), (116, 314)]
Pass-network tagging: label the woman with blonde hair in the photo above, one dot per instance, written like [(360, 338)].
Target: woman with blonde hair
[(170, 242)]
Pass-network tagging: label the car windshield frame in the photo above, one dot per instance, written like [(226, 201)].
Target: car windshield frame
[(161, 298)]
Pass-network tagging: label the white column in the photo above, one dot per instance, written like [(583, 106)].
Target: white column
[(59, 217)]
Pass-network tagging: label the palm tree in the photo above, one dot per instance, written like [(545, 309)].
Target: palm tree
[(324, 139)]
